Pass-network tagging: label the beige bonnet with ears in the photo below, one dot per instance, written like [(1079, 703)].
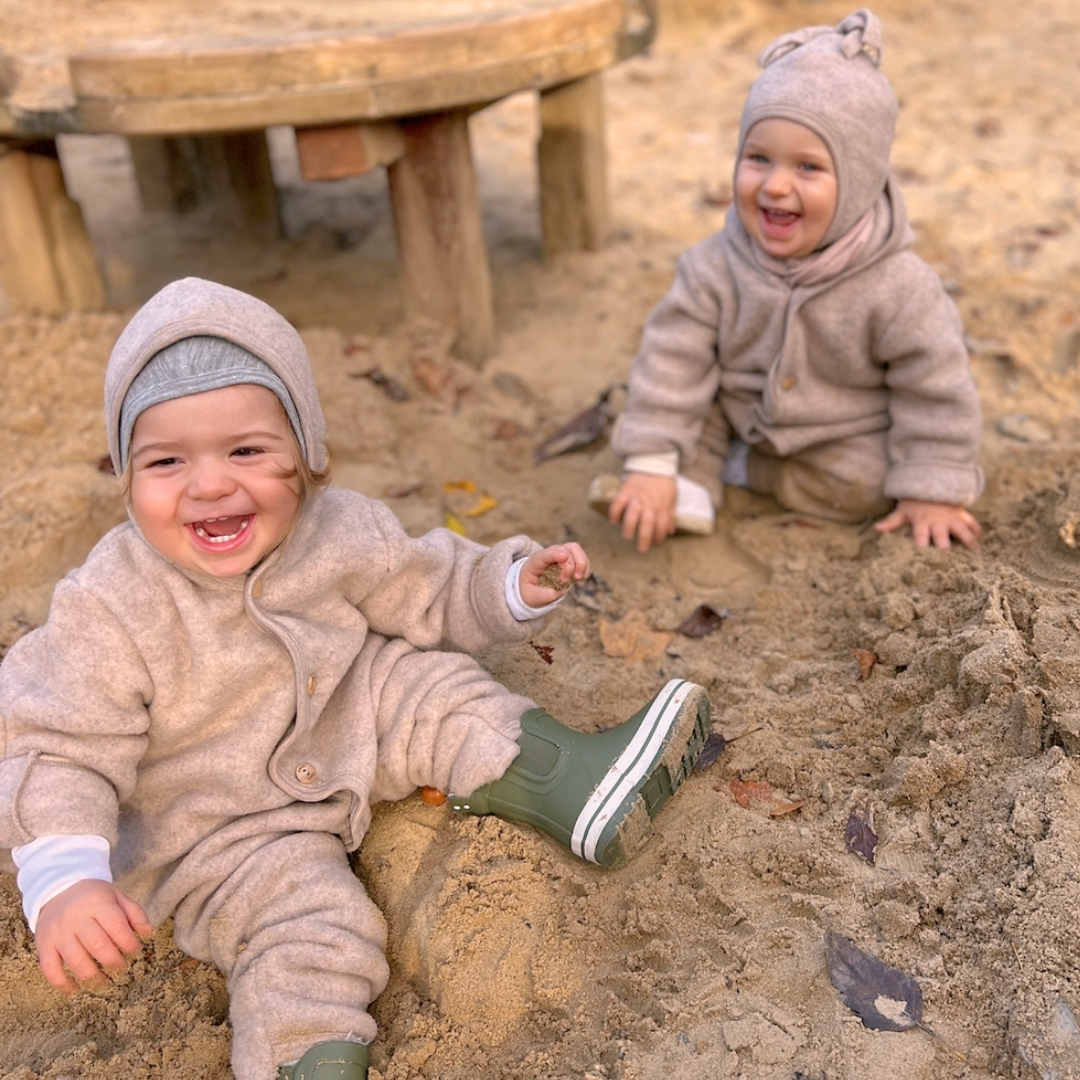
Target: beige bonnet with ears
[(829, 79)]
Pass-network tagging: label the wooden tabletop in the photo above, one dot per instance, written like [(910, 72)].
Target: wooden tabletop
[(166, 67)]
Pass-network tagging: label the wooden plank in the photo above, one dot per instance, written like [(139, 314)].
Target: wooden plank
[(29, 273), (306, 61), (331, 153), (335, 104), (442, 257), (572, 161)]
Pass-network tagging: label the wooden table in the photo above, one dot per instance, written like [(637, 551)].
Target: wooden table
[(194, 84)]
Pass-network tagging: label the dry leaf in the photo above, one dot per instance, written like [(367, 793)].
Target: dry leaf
[(866, 660), (483, 504), (545, 652), (703, 621), (389, 385), (631, 638), (584, 429), (757, 795), (715, 745), (587, 592), (432, 796), (437, 379), (859, 835), (454, 524), (884, 998)]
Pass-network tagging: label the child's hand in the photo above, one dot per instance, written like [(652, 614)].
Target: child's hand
[(547, 574), (933, 524), (90, 928), (645, 505)]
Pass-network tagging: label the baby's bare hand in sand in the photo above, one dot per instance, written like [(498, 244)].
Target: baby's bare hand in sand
[(547, 574), (88, 930), (933, 524), (645, 505)]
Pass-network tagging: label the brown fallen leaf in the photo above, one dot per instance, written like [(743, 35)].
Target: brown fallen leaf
[(387, 383), (437, 379), (859, 835), (716, 744), (882, 997), (545, 652), (866, 660), (631, 638), (584, 429), (757, 795), (704, 620)]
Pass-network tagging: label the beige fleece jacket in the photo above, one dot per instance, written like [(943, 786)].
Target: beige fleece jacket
[(879, 347), (176, 713)]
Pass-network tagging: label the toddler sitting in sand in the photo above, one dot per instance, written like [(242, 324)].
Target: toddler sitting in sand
[(235, 675), (805, 351)]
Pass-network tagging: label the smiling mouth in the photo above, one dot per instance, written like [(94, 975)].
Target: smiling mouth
[(779, 217), (221, 530)]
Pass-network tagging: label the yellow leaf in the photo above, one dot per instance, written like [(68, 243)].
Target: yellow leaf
[(454, 525), (458, 485), (483, 505)]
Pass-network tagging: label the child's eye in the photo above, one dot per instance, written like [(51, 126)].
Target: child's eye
[(248, 451), (161, 463)]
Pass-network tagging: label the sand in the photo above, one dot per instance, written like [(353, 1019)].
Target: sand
[(935, 690)]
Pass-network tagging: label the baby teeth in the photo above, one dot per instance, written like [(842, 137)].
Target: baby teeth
[(221, 539)]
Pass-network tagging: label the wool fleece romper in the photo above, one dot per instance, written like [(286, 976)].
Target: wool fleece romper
[(844, 371), (228, 736)]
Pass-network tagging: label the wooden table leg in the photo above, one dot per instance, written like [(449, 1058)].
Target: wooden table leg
[(573, 167), (230, 174), (442, 257), (47, 263)]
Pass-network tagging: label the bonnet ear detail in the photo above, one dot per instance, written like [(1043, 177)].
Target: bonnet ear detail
[(861, 33), (790, 42)]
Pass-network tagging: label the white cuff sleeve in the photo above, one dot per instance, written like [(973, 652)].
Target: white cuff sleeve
[(518, 608), (50, 864), (666, 464)]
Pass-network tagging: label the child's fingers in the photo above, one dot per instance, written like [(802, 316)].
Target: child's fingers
[(129, 927), (52, 967)]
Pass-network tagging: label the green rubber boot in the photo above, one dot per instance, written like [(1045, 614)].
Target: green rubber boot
[(329, 1061), (598, 794)]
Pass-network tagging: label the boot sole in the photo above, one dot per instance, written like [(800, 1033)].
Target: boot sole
[(617, 818)]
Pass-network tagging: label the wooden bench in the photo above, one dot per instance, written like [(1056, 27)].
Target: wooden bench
[(390, 84)]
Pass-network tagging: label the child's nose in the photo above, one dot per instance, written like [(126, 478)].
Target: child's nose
[(777, 181), (210, 480)]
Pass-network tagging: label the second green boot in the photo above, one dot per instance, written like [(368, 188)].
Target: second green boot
[(329, 1061), (598, 793)]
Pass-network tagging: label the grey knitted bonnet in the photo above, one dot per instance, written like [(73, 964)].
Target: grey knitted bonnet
[(829, 80), (193, 365)]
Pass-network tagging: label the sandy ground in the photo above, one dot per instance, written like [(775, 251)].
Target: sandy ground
[(706, 957)]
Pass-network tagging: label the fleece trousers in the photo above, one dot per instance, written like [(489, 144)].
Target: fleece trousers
[(271, 900)]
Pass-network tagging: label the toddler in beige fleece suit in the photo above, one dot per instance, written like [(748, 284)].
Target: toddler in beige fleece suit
[(234, 676), (805, 351)]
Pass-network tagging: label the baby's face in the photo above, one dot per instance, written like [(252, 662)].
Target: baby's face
[(785, 188), (213, 480)]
